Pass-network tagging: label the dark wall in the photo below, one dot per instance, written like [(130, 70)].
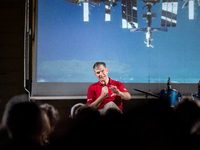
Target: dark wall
[(11, 49)]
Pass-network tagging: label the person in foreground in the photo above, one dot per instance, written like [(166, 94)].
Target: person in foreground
[(106, 93)]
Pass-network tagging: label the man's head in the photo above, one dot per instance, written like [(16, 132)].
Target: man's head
[(101, 72)]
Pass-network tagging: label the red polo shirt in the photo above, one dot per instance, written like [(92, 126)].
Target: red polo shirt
[(94, 91)]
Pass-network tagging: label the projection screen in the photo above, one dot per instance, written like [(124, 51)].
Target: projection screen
[(141, 51)]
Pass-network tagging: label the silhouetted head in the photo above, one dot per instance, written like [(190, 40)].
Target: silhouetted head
[(25, 120)]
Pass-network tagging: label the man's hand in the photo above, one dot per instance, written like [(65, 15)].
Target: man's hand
[(104, 91), (98, 101), (114, 90), (123, 95)]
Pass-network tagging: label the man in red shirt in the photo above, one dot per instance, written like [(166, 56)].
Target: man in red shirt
[(106, 93)]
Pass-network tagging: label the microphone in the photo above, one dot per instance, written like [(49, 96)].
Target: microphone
[(169, 84), (107, 93)]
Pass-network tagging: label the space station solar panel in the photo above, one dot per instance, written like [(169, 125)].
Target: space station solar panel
[(86, 11), (168, 19), (174, 13), (169, 13), (164, 11), (124, 20), (191, 9), (107, 11), (134, 8), (129, 14)]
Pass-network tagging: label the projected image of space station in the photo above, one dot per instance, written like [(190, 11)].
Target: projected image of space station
[(141, 41)]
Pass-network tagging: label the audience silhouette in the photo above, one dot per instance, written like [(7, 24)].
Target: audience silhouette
[(26, 125)]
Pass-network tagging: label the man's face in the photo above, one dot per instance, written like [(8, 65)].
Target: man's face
[(101, 73)]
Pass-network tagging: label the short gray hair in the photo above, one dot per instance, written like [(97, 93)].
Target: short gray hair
[(97, 64)]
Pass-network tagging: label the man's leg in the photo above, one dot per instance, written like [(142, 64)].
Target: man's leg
[(108, 106)]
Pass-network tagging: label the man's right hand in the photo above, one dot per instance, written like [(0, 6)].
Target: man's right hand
[(104, 91), (98, 101)]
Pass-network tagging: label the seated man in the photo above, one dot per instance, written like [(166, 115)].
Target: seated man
[(106, 93)]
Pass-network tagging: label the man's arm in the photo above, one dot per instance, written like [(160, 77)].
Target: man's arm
[(125, 95), (98, 101)]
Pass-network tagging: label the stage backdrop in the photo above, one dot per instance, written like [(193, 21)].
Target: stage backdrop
[(66, 47)]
